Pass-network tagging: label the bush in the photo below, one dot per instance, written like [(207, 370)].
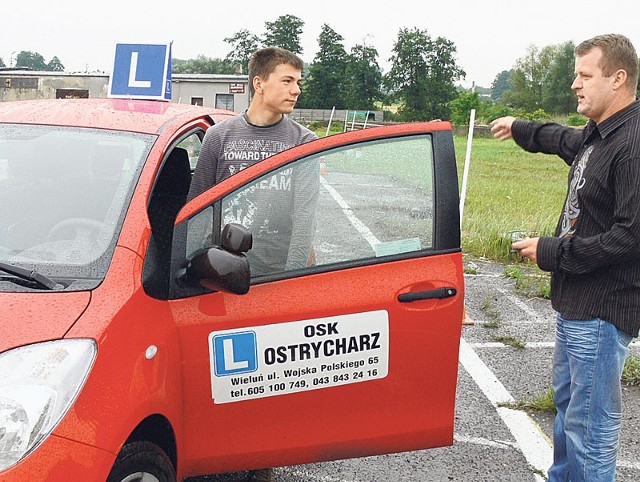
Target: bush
[(389, 116), (489, 111), (539, 115), (576, 120), (461, 107)]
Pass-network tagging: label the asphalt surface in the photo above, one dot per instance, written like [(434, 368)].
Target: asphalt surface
[(491, 442)]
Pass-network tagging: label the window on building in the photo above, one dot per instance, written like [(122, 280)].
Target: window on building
[(72, 94), (224, 101)]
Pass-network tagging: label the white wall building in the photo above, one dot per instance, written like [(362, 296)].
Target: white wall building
[(229, 92)]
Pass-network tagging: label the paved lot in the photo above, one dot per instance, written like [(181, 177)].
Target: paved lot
[(492, 443)]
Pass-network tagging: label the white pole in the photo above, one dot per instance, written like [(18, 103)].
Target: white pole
[(467, 161), (366, 118), (330, 119), (353, 119), (346, 115)]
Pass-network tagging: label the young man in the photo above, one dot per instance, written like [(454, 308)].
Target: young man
[(594, 257), (282, 220)]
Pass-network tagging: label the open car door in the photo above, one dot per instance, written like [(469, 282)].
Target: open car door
[(353, 352)]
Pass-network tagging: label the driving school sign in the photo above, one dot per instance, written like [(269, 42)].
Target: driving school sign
[(265, 361), (141, 71)]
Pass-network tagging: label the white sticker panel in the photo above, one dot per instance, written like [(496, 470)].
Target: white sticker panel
[(279, 359)]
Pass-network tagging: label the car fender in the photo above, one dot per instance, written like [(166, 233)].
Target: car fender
[(137, 370)]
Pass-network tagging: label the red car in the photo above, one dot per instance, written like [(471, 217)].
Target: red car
[(142, 335)]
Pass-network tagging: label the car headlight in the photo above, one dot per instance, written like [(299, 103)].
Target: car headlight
[(38, 384)]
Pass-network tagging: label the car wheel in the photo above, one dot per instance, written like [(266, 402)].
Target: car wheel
[(142, 462)]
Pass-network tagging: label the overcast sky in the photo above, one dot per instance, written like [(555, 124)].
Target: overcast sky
[(489, 35)]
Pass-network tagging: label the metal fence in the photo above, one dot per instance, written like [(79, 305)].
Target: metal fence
[(333, 115), (350, 119)]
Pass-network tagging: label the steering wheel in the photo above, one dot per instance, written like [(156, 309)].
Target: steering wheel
[(82, 228)]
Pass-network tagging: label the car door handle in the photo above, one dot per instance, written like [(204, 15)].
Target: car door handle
[(438, 293)]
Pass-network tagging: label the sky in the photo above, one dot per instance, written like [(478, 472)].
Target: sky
[(489, 36)]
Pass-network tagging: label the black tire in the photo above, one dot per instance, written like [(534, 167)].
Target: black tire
[(142, 462)]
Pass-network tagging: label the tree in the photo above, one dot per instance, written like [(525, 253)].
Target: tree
[(244, 44), (55, 65), (324, 87), (31, 60), (363, 77), (501, 84), (422, 75), (528, 78), (202, 65), (285, 33), (557, 96), (2, 63), (462, 105)]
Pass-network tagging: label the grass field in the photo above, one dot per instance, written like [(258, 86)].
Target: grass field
[(507, 190)]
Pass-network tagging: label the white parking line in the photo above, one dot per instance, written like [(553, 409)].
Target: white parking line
[(628, 464), (520, 304), (500, 444), (530, 439), (528, 344), (309, 476), (364, 231), (535, 446)]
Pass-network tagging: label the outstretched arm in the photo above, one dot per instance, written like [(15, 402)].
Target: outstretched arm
[(501, 128)]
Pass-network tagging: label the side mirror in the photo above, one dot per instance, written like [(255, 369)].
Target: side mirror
[(236, 238), (222, 268)]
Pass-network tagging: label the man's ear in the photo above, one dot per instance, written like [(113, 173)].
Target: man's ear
[(257, 84), (619, 79)]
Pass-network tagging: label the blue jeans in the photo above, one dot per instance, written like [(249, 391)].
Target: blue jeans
[(587, 366)]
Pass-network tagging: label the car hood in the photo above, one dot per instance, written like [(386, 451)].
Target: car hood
[(27, 318)]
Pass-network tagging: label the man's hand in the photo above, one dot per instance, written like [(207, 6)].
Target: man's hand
[(501, 128), (527, 248)]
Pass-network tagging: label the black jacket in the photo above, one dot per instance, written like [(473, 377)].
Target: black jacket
[(594, 256)]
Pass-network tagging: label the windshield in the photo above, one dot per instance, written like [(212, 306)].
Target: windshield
[(63, 197)]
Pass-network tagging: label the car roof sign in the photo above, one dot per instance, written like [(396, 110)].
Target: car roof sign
[(141, 71)]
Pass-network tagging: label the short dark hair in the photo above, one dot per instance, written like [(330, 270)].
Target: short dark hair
[(263, 62), (617, 53)]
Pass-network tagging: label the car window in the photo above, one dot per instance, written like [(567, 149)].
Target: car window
[(350, 204), (63, 196), (376, 200), (192, 144)]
